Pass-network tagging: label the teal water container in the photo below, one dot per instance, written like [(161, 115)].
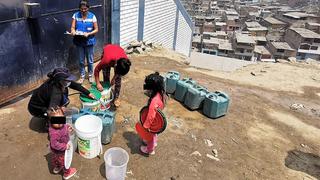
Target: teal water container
[(182, 88), (109, 126), (108, 122), (216, 104), (172, 77), (195, 96)]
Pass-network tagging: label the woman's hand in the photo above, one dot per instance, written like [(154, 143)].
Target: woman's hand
[(92, 96), (117, 102), (86, 34), (68, 146)]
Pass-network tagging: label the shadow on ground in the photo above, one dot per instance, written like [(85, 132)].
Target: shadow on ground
[(304, 162), (134, 142), (38, 124)]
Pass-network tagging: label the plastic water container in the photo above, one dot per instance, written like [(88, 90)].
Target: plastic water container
[(116, 160), (109, 126), (172, 78), (182, 88), (106, 95), (108, 122), (195, 96), (88, 129), (216, 104)]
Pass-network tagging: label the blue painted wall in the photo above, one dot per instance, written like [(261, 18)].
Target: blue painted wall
[(31, 48)]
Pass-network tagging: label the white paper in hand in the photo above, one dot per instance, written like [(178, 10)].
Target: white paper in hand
[(68, 156)]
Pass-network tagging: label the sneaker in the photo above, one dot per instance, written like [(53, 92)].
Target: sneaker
[(80, 81), (69, 173), (144, 142), (91, 79), (57, 170), (144, 149)]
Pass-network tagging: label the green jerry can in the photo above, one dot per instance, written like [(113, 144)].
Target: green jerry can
[(195, 96), (216, 104), (182, 88), (172, 77)]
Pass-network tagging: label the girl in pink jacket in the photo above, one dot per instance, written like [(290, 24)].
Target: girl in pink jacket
[(154, 88)]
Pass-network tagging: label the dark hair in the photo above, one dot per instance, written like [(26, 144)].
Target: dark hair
[(155, 83), (123, 66), (84, 3)]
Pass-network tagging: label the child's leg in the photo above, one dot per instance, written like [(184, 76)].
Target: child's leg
[(57, 160), (151, 144)]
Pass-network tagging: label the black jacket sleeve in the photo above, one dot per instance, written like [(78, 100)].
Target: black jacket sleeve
[(78, 87), (55, 97)]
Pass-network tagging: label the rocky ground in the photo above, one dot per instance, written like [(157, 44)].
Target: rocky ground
[(270, 132)]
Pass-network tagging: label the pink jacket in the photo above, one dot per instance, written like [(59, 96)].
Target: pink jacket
[(156, 103), (59, 139)]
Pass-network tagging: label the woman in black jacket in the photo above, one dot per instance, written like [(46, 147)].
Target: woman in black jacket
[(53, 93)]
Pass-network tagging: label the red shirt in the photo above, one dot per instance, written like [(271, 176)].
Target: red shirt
[(156, 103), (111, 53)]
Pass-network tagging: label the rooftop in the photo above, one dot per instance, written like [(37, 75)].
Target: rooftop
[(222, 44), (258, 29), (196, 39), (272, 20), (281, 45), (313, 24), (252, 24), (298, 15), (260, 38), (306, 33), (261, 50), (244, 38)]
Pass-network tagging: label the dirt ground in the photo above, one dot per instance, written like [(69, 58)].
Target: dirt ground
[(261, 137)]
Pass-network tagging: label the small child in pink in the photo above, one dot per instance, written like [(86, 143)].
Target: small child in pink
[(154, 88), (59, 138)]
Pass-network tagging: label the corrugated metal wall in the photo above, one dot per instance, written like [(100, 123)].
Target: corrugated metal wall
[(159, 22), (128, 21), (183, 36)]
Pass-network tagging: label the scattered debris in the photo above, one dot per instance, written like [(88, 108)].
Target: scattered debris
[(296, 106), (139, 47), (208, 142), (234, 141), (126, 119), (253, 74), (193, 137), (200, 161), (130, 172), (263, 71), (212, 157), (196, 153), (215, 152), (303, 145), (177, 123)]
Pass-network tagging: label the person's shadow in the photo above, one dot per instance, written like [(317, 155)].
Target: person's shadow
[(38, 124), (305, 162), (133, 142)]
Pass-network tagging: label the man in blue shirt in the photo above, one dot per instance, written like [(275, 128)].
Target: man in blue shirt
[(84, 26)]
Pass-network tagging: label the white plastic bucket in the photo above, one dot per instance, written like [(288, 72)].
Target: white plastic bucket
[(106, 100), (116, 160), (88, 129), (106, 94)]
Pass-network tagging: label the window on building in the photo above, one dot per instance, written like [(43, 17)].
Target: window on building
[(314, 47), (280, 50), (317, 40)]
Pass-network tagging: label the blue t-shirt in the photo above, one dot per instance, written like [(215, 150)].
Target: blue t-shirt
[(84, 25)]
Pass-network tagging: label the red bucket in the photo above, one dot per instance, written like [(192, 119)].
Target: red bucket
[(143, 133)]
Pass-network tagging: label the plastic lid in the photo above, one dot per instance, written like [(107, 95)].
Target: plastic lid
[(96, 94), (105, 85), (68, 155)]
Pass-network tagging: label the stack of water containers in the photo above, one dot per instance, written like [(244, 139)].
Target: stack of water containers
[(194, 96), (108, 122)]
